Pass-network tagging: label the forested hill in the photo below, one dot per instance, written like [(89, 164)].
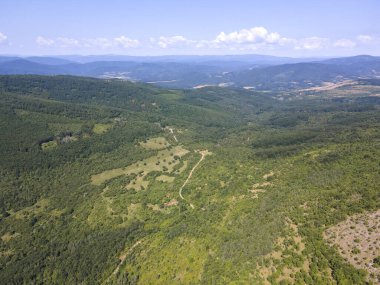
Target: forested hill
[(113, 182), (257, 72)]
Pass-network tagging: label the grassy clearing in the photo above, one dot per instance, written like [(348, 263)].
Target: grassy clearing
[(172, 96), (56, 123), (358, 241), (164, 161), (101, 128), (49, 145), (165, 178), (40, 207), (155, 143), (117, 210)]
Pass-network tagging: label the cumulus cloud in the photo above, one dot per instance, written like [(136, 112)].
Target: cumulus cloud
[(251, 36), (173, 41), (260, 38), (125, 42), (3, 38), (68, 42), (103, 43), (58, 42), (252, 39), (344, 43), (42, 41), (365, 39), (311, 43)]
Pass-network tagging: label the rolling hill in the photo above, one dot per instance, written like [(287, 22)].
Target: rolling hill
[(107, 181), (259, 72)]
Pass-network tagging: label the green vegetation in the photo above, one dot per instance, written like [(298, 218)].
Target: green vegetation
[(101, 128), (155, 143), (91, 178), (376, 262)]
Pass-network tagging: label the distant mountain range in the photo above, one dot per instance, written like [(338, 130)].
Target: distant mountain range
[(258, 72)]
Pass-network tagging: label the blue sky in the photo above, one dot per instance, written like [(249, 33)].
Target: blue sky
[(163, 27)]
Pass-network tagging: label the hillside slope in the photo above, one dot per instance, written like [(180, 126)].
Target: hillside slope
[(94, 172)]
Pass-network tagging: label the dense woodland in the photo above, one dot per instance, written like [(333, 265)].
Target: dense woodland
[(315, 159)]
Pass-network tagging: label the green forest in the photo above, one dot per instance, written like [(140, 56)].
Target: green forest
[(113, 182)]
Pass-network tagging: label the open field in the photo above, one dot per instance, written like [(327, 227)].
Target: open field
[(164, 161), (330, 86), (344, 90), (165, 178), (155, 143)]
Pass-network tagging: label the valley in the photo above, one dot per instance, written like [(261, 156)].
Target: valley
[(195, 186)]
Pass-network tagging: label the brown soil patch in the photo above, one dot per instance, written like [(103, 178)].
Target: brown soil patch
[(358, 241), (268, 175), (257, 188), (173, 202), (8, 236)]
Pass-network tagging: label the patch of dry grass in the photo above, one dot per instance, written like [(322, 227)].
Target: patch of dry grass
[(8, 236), (155, 143), (164, 161), (165, 178), (358, 241), (101, 128), (294, 243), (49, 145)]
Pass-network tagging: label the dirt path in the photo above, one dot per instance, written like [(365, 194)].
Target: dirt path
[(122, 259), (175, 138), (203, 155), (172, 132)]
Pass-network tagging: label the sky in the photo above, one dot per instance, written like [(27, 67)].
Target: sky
[(293, 28)]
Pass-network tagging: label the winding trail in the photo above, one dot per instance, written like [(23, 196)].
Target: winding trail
[(203, 155)]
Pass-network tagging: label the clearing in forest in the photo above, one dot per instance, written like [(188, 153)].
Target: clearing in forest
[(165, 178), (155, 143), (49, 145), (164, 161), (358, 241), (101, 128)]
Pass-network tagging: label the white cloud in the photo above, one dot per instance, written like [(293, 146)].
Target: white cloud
[(104, 43), (253, 35), (173, 41), (68, 42), (41, 41), (125, 42), (311, 43), (252, 39), (365, 39), (3, 38), (259, 38), (344, 43)]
